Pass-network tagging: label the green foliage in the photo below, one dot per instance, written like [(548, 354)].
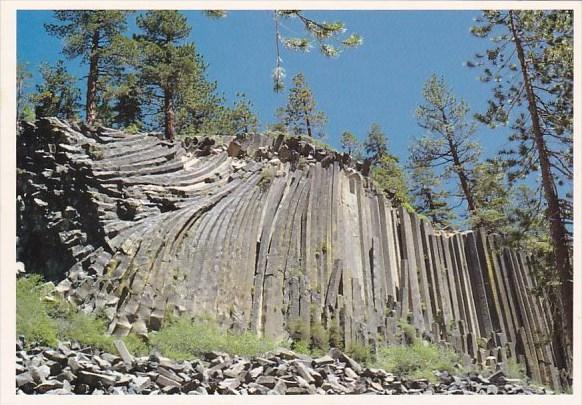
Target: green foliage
[(386, 173), (183, 338), (301, 346), (350, 144), (57, 95), (319, 337), (96, 37), (417, 360), (447, 149), (546, 38), (408, 331), (335, 336), (170, 71), (267, 177), (388, 176), (27, 113), (32, 314), (376, 145), (515, 370), (86, 329), (23, 108), (298, 329), (300, 115), (359, 352), (78, 28), (327, 36), (429, 196), (491, 193), (127, 109), (45, 320)]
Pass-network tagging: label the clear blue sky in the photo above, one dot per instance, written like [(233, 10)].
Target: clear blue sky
[(380, 81)]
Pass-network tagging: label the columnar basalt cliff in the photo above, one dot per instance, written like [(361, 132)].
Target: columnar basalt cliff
[(262, 232)]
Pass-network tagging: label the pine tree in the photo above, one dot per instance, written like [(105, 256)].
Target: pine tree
[(199, 109), (429, 197), (168, 68), (23, 77), (127, 108), (385, 172), (448, 144), (300, 116), (375, 145), (389, 177), (244, 120), (58, 94), (530, 66), (95, 36), (492, 195), (350, 144)]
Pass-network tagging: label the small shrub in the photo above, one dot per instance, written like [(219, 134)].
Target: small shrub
[(184, 339), (335, 336), (301, 346), (87, 330), (267, 176), (409, 332), (319, 337), (359, 352), (515, 370), (298, 329), (32, 314), (418, 360)]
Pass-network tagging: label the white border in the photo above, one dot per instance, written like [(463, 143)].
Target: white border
[(8, 10)]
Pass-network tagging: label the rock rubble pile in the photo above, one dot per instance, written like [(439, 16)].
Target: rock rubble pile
[(72, 369)]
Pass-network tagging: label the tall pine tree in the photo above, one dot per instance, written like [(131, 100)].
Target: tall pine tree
[(96, 37), (530, 67), (448, 144), (300, 115), (168, 68)]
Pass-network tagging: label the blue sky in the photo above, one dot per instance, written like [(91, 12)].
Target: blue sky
[(380, 81)]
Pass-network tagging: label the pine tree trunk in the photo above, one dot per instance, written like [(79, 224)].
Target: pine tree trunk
[(91, 105), (459, 169), (307, 123), (553, 212), (168, 114)]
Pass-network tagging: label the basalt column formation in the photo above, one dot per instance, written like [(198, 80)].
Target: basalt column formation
[(261, 233)]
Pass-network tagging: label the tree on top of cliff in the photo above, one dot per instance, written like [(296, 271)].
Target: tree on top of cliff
[(350, 144), (57, 95), (430, 198), (169, 70), (386, 172), (375, 144), (96, 36), (448, 143), (300, 115)]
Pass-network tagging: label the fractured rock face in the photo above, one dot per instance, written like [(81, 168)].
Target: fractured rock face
[(134, 226)]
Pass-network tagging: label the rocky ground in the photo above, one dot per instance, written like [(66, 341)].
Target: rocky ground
[(72, 369)]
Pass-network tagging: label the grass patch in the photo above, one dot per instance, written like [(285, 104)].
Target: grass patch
[(183, 339), (45, 320), (33, 320), (359, 352), (417, 360)]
